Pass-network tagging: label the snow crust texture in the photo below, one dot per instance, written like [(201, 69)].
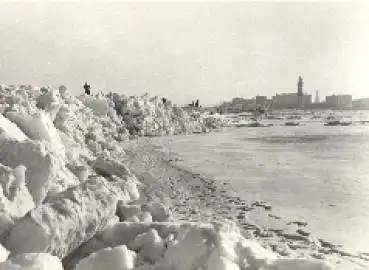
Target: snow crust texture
[(68, 201)]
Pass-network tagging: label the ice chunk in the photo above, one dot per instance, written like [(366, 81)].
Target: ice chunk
[(149, 245), (44, 170), (32, 261), (118, 258), (99, 106), (4, 253), (125, 232), (194, 245), (255, 255), (106, 166), (39, 127), (11, 130), (145, 217), (66, 221), (49, 102), (158, 211), (126, 211), (15, 200)]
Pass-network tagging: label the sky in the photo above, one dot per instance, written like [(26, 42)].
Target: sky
[(188, 50)]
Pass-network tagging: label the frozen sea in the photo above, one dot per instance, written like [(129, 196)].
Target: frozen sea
[(309, 172)]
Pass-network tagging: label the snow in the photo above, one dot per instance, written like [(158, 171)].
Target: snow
[(32, 261), (11, 130), (15, 200), (149, 245), (217, 262), (66, 193), (100, 106), (118, 258), (67, 220), (45, 170), (4, 253), (158, 211), (39, 127), (127, 211)]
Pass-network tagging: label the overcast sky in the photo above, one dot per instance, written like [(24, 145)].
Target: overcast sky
[(213, 51)]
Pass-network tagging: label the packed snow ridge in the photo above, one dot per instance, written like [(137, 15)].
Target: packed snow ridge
[(67, 202)]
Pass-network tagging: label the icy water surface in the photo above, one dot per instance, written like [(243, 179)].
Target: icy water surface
[(312, 172)]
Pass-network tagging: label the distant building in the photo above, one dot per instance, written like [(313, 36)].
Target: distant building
[(229, 107), (290, 100), (300, 94), (237, 105), (260, 101), (339, 101), (361, 104), (317, 99)]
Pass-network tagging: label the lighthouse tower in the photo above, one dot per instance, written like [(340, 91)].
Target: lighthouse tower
[(300, 94)]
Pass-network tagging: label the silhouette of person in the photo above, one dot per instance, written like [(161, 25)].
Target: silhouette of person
[(197, 103), (87, 89)]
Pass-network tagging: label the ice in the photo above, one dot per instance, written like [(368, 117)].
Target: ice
[(254, 254), (4, 253), (32, 261), (11, 130), (49, 102), (127, 211), (149, 245), (106, 166), (15, 200), (68, 220), (217, 262), (39, 126), (98, 105), (144, 216), (158, 211), (45, 170), (195, 248), (117, 258)]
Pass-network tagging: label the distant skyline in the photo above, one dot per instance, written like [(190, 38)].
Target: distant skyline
[(188, 50)]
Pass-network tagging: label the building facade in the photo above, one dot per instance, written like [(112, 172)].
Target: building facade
[(339, 101), (290, 101), (260, 101), (361, 104)]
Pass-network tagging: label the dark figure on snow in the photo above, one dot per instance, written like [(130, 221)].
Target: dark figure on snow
[(164, 100), (197, 103), (87, 89)]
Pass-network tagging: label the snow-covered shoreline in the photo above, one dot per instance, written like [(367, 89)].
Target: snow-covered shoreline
[(73, 192), (199, 198)]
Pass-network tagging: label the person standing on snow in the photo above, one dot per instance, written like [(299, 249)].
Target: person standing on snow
[(87, 89)]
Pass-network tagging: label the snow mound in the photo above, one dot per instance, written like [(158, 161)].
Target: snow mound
[(67, 220), (186, 246)]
